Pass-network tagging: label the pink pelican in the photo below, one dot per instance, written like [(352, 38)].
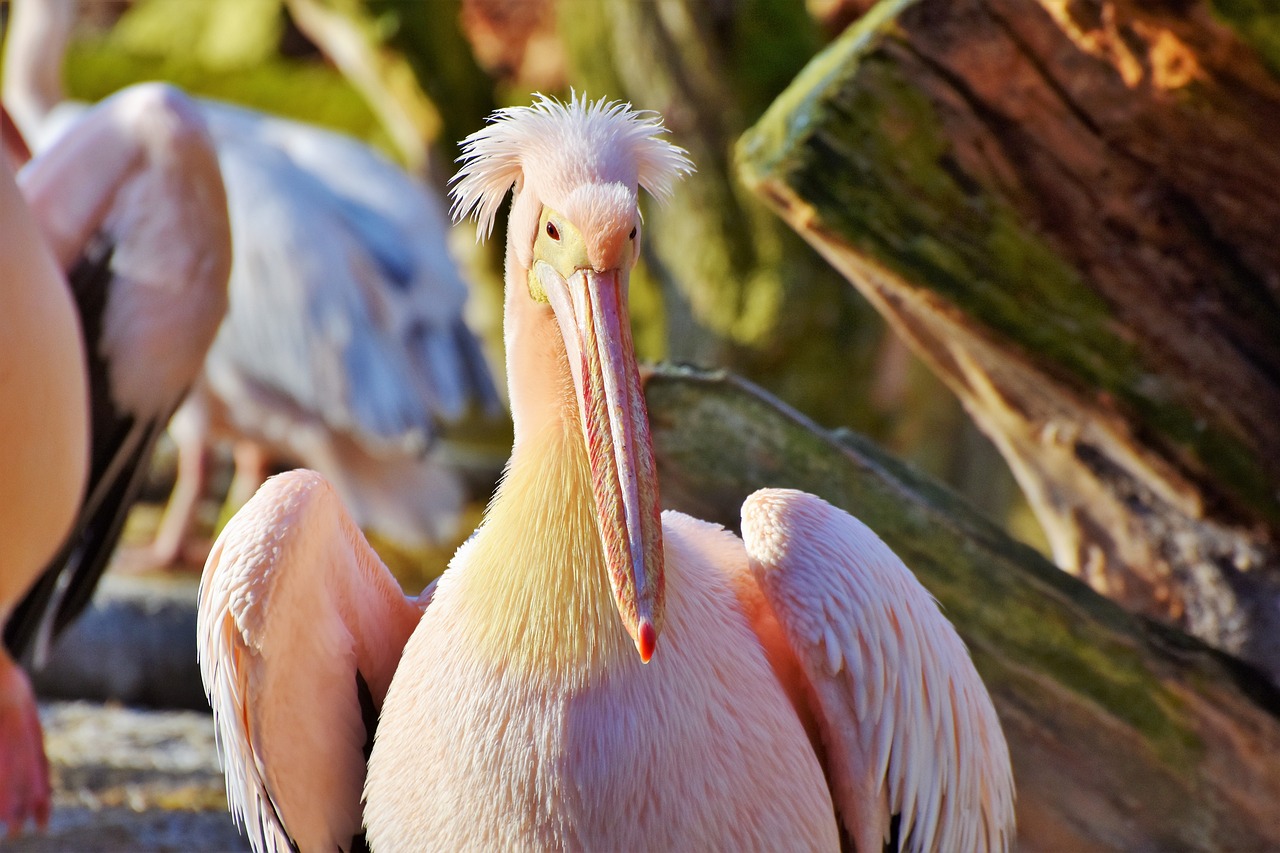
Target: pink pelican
[(44, 453), (345, 347), (132, 203), (588, 673)]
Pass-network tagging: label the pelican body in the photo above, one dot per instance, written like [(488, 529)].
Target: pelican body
[(590, 673), (344, 346), (44, 450), (131, 202), (130, 206)]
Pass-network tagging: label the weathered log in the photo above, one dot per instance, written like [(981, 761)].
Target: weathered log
[(134, 645), (1125, 735), (1068, 209)]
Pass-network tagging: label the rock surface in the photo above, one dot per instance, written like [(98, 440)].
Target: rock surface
[(128, 779), (135, 645)]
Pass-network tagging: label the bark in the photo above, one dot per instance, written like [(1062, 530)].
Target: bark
[(1124, 735), (1068, 211), (410, 62)]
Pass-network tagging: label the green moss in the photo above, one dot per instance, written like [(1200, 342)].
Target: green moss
[(302, 90), (1257, 22), (854, 114)]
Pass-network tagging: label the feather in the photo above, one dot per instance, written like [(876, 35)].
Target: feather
[(605, 142), (908, 727)]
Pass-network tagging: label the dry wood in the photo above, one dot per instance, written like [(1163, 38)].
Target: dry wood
[(1069, 211)]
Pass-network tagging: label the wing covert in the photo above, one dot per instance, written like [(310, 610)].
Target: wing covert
[(908, 727), (361, 244), (297, 619)]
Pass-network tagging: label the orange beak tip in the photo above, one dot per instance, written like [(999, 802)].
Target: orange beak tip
[(646, 640)]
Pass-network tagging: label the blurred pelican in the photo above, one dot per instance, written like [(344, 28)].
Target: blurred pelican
[(132, 204), (44, 443), (804, 681), (345, 346)]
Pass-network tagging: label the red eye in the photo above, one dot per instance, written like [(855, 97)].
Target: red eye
[(553, 232)]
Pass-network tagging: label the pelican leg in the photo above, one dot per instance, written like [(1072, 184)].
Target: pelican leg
[(24, 770), (190, 431), (252, 468)]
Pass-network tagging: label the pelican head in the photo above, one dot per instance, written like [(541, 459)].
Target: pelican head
[(573, 237)]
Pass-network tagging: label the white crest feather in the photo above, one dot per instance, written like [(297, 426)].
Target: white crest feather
[(560, 145)]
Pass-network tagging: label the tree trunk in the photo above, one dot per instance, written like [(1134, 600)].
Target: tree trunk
[(1124, 735), (1069, 212), (412, 65)]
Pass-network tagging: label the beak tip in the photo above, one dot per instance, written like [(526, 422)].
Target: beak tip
[(646, 639)]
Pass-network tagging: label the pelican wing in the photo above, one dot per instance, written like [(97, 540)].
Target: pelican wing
[(380, 265), (298, 328), (120, 448), (300, 628), (131, 200), (912, 744)]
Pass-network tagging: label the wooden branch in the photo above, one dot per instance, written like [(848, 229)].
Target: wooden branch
[(412, 65), (1068, 210), (349, 38), (1124, 735)]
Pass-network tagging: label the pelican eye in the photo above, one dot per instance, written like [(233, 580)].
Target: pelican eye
[(632, 235), (553, 232)]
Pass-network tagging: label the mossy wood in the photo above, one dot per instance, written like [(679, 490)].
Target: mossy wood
[(1069, 211), (1124, 735)]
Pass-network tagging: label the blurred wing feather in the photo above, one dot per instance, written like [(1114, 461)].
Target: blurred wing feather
[(297, 618), (382, 234), (907, 725), (302, 322)]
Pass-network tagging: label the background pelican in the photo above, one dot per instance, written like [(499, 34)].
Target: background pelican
[(43, 458), (132, 203), (804, 680), (345, 347)]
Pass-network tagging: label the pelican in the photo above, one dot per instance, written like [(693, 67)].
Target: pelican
[(345, 347), (589, 673), (44, 451), (114, 203), (130, 201)]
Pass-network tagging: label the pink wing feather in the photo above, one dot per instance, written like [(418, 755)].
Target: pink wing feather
[(907, 725), (293, 604)]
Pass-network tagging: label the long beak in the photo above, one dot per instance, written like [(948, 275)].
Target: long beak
[(591, 309)]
